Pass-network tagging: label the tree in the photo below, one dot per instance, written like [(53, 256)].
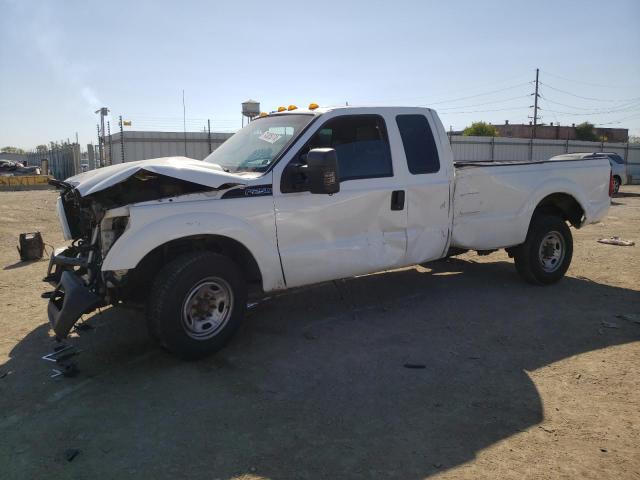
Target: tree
[(11, 150), (585, 132), (481, 129), (42, 149)]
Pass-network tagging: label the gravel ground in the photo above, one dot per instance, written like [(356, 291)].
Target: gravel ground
[(519, 381)]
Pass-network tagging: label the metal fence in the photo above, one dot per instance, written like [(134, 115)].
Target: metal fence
[(63, 160), (496, 149)]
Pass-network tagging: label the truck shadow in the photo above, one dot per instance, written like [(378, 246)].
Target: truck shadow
[(315, 383)]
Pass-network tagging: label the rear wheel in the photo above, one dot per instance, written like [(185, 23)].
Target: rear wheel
[(546, 254), (196, 304)]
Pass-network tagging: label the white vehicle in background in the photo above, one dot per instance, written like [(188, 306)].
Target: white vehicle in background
[(300, 197), (618, 167)]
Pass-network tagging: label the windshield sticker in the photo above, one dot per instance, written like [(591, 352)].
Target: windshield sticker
[(270, 137)]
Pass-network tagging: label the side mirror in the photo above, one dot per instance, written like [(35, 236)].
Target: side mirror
[(322, 171)]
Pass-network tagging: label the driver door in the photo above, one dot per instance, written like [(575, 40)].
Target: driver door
[(362, 228)]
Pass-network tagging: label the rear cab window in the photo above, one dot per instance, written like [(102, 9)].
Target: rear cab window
[(419, 144)]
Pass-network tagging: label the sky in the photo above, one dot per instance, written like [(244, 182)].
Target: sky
[(62, 60)]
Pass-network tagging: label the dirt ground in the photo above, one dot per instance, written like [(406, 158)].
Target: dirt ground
[(520, 381)]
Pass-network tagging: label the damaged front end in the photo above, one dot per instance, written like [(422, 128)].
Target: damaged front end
[(94, 223)]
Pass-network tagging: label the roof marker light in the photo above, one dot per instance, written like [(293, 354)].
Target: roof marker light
[(292, 107), (313, 106), (263, 114), (281, 109)]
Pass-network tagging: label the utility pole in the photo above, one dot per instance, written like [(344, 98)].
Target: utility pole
[(104, 111), (110, 143), (209, 134), (535, 105), (121, 140), (184, 123), (100, 146)]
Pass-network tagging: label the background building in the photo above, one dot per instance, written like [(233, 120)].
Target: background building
[(141, 145), (557, 132)]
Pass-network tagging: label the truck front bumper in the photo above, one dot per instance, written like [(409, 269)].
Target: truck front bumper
[(71, 297)]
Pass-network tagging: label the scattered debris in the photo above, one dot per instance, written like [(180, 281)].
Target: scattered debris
[(83, 327), (609, 324), (71, 453), (61, 355), (69, 370), (577, 378), (548, 430), (603, 450), (437, 465), (630, 317), (617, 241), (414, 365), (3, 374), (309, 336), (30, 246)]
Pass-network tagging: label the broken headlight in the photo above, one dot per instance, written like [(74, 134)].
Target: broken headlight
[(111, 229)]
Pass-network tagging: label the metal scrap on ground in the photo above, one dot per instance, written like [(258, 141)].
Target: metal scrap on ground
[(617, 241)]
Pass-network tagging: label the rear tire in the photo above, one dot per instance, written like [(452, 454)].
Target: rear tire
[(546, 254), (196, 304)]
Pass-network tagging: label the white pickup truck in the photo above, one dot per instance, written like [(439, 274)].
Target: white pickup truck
[(296, 198)]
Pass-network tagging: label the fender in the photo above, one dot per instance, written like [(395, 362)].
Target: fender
[(142, 237), (592, 211)]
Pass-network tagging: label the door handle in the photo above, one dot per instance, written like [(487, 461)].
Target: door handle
[(397, 200)]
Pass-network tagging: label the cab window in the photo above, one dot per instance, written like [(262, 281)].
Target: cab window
[(419, 145), (361, 144)]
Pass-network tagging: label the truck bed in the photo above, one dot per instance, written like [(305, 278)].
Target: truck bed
[(493, 201)]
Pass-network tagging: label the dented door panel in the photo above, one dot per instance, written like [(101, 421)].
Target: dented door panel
[(353, 232)]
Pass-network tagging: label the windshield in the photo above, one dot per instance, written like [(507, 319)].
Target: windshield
[(255, 147)]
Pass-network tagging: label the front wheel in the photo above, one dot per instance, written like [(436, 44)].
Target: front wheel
[(616, 184), (196, 304), (546, 254)]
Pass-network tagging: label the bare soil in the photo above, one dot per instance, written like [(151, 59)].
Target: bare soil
[(518, 381)]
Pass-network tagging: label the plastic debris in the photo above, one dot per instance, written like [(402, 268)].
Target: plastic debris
[(617, 241)]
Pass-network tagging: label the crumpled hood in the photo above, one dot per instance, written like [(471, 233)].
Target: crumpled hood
[(183, 168)]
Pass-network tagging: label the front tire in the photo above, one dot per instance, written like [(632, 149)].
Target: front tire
[(546, 254), (616, 184), (196, 304)]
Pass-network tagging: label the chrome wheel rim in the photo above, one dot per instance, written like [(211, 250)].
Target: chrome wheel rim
[(551, 252), (207, 308)]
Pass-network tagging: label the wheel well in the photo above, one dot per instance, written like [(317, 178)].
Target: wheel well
[(146, 270), (562, 205)]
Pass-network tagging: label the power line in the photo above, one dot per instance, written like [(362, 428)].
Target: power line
[(412, 99), (486, 103), (601, 112), (475, 96), (588, 98), (587, 83), (631, 104), (620, 120), (524, 107)]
